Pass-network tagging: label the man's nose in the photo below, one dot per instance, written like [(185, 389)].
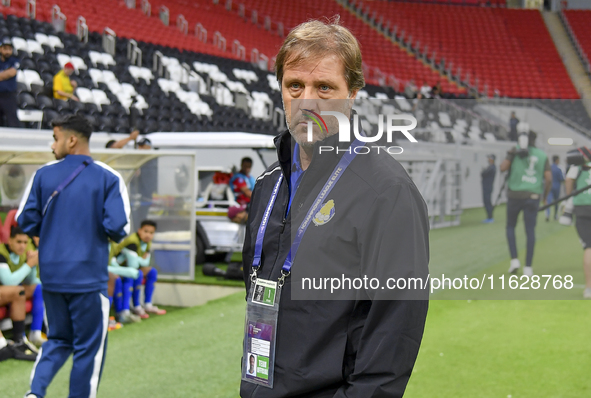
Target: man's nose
[(309, 100)]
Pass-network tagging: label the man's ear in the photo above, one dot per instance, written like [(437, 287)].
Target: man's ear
[(72, 140)]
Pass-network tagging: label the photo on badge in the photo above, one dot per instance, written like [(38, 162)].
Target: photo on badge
[(264, 292)]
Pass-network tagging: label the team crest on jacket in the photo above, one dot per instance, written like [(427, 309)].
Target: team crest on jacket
[(325, 214)]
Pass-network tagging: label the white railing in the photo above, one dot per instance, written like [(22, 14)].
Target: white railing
[(134, 54), (58, 19), (6, 3), (109, 41), (185, 73), (146, 8), (268, 22), (254, 17), (263, 62), (157, 64), (254, 56), (229, 5), (182, 24), (31, 9), (82, 29), (219, 41), (130, 3), (280, 30), (241, 10), (164, 15), (201, 33), (238, 50)]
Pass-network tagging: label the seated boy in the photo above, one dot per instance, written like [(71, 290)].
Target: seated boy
[(119, 293), (18, 266), (21, 348), (134, 252)]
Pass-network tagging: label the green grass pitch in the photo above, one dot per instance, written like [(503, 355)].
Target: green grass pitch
[(471, 348)]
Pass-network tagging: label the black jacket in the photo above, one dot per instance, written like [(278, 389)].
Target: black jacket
[(342, 348)]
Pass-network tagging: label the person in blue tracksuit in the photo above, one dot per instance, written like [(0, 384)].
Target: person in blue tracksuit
[(74, 205)]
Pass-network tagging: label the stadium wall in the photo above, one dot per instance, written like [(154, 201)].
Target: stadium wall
[(558, 5)]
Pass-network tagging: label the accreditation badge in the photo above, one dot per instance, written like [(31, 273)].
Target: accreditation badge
[(260, 329)]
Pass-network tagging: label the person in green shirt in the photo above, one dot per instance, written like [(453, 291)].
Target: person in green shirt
[(19, 266), (134, 252), (530, 180), (576, 178)]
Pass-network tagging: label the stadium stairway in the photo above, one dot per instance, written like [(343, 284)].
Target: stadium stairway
[(571, 31), (578, 25)]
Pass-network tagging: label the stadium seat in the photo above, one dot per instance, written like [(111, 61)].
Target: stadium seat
[(26, 101), (54, 42)]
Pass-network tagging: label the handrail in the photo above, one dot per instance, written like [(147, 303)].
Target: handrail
[(58, 19), (238, 50), (268, 22), (219, 41), (201, 32), (82, 29), (164, 15), (185, 71), (109, 40), (31, 9), (254, 56), (134, 54), (157, 65), (265, 59), (182, 24), (146, 8)]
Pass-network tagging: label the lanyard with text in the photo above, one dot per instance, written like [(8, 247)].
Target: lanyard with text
[(65, 183), (324, 192)]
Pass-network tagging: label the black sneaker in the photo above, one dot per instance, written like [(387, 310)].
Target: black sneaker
[(23, 352), (6, 353)]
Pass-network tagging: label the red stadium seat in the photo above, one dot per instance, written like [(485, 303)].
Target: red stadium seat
[(5, 314), (502, 48)]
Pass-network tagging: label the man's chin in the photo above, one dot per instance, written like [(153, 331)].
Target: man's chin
[(302, 138)]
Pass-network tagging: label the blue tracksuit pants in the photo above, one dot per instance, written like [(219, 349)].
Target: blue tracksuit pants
[(77, 324)]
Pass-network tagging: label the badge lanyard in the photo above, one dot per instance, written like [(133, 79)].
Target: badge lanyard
[(262, 304), (338, 171), (65, 183)]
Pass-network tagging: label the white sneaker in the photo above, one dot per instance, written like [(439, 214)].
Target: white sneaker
[(587, 293), (515, 265), (528, 271), (139, 311), (37, 338)]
